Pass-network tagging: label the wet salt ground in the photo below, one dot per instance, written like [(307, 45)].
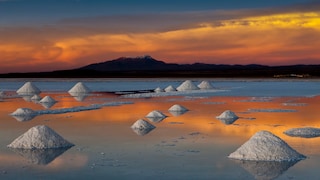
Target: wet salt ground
[(194, 145)]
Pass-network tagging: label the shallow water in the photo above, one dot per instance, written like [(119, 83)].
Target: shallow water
[(193, 145)]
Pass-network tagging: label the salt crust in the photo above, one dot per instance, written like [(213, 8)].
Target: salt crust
[(265, 146), (79, 88), (186, 86), (142, 124), (306, 132), (40, 137), (28, 89), (205, 85), (177, 108)]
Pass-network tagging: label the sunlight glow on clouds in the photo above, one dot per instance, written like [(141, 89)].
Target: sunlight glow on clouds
[(272, 39)]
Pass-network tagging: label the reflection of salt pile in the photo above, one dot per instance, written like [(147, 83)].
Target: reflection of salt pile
[(307, 132), (264, 146), (28, 89), (155, 116), (186, 86), (170, 89), (40, 156), (40, 137), (205, 85), (47, 101), (36, 97), (158, 89), (79, 91), (23, 114), (177, 110), (227, 117), (142, 127), (266, 169)]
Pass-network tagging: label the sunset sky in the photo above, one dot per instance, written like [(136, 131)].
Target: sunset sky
[(45, 35)]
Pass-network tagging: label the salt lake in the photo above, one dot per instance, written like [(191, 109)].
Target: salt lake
[(190, 145)]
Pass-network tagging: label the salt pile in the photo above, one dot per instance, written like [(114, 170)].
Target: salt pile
[(40, 137), (265, 146), (24, 114), (47, 99), (227, 117), (142, 127), (170, 89), (307, 132), (36, 97), (177, 110), (205, 85), (28, 89), (155, 116), (79, 88), (186, 86), (158, 89), (1, 93)]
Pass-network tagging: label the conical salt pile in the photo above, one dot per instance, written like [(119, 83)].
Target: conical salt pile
[(47, 99), (265, 146), (79, 88), (23, 112), (28, 89), (142, 124), (186, 86), (170, 89), (227, 117), (205, 85), (40, 137), (36, 97), (1, 93), (155, 113), (177, 108), (156, 116), (158, 89)]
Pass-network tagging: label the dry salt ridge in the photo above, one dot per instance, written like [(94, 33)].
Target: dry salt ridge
[(28, 89), (265, 146), (227, 117), (156, 116), (142, 127), (40, 137), (306, 132)]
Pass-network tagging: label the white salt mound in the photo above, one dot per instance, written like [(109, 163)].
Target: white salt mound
[(156, 113), (36, 97), (307, 132), (170, 89), (79, 88), (205, 85), (142, 124), (177, 108), (23, 112), (47, 99), (265, 146), (158, 89), (186, 86), (40, 137), (227, 115), (1, 93), (28, 89)]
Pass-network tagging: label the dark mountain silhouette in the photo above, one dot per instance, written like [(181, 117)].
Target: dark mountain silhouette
[(146, 66)]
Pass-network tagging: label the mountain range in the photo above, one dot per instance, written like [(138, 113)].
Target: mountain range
[(147, 66)]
